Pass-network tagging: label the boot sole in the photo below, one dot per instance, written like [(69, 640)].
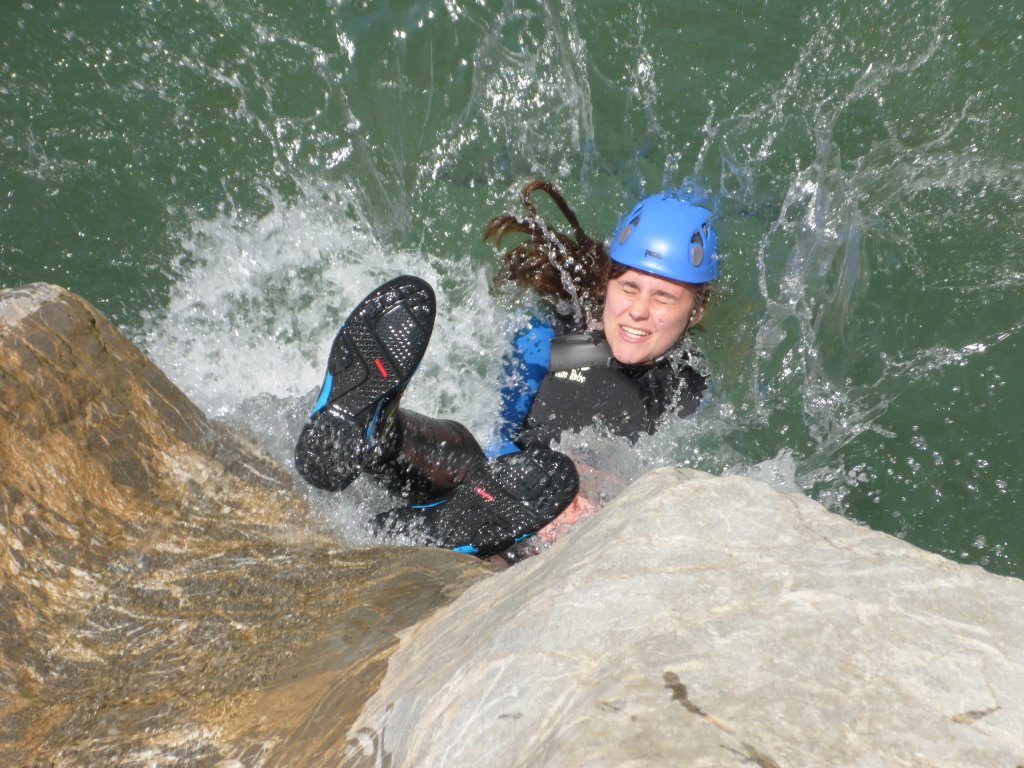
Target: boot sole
[(499, 504), (379, 347), (372, 359)]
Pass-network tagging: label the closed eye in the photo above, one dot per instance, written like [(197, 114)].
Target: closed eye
[(629, 288), (667, 298)]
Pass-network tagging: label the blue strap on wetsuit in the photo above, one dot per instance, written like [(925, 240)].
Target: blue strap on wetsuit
[(524, 369)]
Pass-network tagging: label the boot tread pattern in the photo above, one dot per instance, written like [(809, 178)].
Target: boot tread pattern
[(372, 358), (498, 504), (380, 345)]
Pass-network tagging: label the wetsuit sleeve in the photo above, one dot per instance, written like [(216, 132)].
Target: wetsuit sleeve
[(691, 388), (524, 368)]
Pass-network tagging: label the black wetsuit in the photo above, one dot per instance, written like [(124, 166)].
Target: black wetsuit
[(554, 382), (569, 381)]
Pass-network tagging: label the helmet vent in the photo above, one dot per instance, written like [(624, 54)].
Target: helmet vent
[(628, 229), (697, 249)]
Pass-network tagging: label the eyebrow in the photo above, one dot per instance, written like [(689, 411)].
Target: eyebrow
[(658, 292)]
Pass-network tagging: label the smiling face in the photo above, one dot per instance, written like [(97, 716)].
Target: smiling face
[(645, 315)]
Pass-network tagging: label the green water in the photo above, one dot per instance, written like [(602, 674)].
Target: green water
[(222, 180)]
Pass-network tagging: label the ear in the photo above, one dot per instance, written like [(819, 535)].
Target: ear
[(695, 317)]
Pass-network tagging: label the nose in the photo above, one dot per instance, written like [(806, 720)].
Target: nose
[(639, 307)]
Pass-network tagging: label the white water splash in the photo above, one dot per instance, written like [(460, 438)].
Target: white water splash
[(251, 320)]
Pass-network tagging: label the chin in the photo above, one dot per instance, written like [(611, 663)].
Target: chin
[(629, 355)]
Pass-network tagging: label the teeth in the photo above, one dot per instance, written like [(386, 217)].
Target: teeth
[(635, 333)]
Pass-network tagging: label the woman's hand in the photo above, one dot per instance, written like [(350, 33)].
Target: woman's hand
[(580, 509)]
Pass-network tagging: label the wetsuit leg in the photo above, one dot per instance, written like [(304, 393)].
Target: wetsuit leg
[(428, 459)]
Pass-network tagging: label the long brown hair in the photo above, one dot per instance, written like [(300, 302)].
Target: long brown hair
[(570, 269)]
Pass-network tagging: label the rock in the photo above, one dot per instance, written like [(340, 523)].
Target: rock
[(163, 598), (705, 621), (165, 601)]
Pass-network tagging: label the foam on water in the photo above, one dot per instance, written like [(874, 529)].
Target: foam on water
[(252, 317)]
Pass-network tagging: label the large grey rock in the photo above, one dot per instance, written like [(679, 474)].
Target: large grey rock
[(700, 621)]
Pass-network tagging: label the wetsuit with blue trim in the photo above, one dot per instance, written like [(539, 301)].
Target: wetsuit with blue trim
[(558, 380), (555, 380), (458, 497)]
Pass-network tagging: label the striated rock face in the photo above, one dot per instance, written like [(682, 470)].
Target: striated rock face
[(700, 621), (162, 599)]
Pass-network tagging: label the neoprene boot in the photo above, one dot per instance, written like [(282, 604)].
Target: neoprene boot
[(498, 504), (373, 357)]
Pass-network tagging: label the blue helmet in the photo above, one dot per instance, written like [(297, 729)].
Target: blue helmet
[(667, 237)]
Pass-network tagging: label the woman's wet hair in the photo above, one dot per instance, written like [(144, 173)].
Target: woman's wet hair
[(570, 269)]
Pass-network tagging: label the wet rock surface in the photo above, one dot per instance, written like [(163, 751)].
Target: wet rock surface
[(164, 601), (707, 621), (163, 598)]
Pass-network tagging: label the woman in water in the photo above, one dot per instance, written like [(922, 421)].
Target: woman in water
[(615, 350)]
